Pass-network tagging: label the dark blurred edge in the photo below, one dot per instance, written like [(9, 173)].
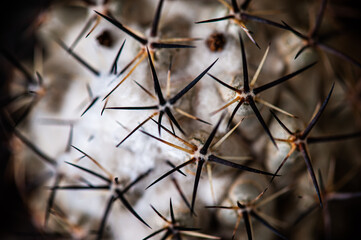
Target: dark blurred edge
[(15, 19)]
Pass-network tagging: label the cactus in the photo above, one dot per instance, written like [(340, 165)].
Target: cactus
[(142, 108)]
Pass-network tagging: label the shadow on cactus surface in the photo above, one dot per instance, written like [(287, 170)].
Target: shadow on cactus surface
[(203, 157)]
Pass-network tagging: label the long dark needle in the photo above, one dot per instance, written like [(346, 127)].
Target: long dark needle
[(319, 18), (71, 187), (166, 235), (114, 69), (157, 88), (338, 54), (155, 24), (171, 211), (70, 139), (216, 19), (294, 31), (51, 199), (239, 104), (224, 162), (223, 83), (211, 136), (281, 80), (265, 223), (105, 216), (90, 105), (169, 45), (34, 148), (160, 121), (123, 28), (135, 129), (196, 182), (181, 193), (235, 6), (77, 57), (307, 159), (129, 207), (172, 171), (317, 116), (155, 233), (83, 31), (302, 49), (173, 166), (173, 119), (246, 220), (281, 123), (244, 64), (133, 108), (90, 172), (320, 180), (340, 137), (247, 16), (174, 99), (135, 181), (260, 119), (159, 214)]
